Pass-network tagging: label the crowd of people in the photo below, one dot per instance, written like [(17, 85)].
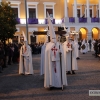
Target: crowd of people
[(10, 53), (90, 45), (36, 47)]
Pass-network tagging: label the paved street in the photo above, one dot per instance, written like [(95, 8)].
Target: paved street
[(30, 87)]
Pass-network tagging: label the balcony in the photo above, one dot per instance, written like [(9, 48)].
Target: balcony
[(32, 21), (82, 20), (53, 21), (18, 20), (71, 20), (95, 20)]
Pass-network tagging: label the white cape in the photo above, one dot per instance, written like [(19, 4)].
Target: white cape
[(76, 48), (42, 59), (52, 79), (67, 57), (26, 66)]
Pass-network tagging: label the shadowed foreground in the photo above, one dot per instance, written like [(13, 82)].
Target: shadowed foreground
[(30, 87)]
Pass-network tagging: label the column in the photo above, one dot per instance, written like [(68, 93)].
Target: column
[(88, 11), (89, 34), (65, 7), (75, 8), (99, 8)]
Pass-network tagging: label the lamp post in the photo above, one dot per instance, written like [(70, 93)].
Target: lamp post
[(26, 19)]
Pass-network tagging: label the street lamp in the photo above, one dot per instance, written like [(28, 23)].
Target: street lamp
[(26, 19)]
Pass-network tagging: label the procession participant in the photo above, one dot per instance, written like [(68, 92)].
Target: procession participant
[(76, 46), (83, 47), (25, 64), (55, 71), (70, 55), (43, 56), (87, 46)]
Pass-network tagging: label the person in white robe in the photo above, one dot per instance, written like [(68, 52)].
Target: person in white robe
[(93, 42), (70, 60), (87, 46), (25, 64), (83, 47), (76, 46), (43, 56), (55, 71)]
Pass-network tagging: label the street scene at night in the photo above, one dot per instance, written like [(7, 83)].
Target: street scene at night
[(49, 49)]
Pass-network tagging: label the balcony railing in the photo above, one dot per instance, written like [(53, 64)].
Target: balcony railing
[(72, 20), (94, 19), (18, 20), (82, 20), (53, 21), (32, 21)]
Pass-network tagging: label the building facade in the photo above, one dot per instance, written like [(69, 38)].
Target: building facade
[(82, 16)]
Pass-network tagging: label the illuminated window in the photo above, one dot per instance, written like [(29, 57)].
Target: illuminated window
[(32, 9), (49, 7)]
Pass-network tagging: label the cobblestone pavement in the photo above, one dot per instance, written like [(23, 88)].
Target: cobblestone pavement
[(30, 87)]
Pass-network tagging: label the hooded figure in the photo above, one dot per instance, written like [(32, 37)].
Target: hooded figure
[(83, 47), (25, 64), (76, 46), (43, 56), (69, 55), (55, 71)]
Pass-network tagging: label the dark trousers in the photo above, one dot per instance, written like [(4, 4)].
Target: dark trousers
[(9, 59)]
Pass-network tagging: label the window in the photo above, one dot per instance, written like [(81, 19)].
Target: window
[(32, 10), (32, 13), (16, 12), (16, 7), (50, 11), (78, 12), (98, 13), (90, 12), (49, 7)]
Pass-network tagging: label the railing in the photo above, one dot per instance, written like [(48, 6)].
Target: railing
[(53, 21), (95, 20), (18, 20), (32, 21), (82, 20), (72, 20), (69, 20)]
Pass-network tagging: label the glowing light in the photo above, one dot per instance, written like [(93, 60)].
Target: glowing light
[(58, 21), (41, 21), (23, 21)]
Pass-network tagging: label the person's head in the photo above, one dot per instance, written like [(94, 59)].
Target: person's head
[(58, 38), (53, 40)]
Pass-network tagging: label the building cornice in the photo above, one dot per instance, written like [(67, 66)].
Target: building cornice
[(15, 2), (49, 3), (32, 3)]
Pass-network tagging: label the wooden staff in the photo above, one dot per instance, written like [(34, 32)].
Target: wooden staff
[(71, 58), (23, 56), (61, 67)]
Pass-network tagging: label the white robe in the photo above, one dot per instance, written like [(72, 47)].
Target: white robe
[(87, 47), (52, 78), (67, 57), (42, 59), (25, 64), (83, 50), (76, 48)]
